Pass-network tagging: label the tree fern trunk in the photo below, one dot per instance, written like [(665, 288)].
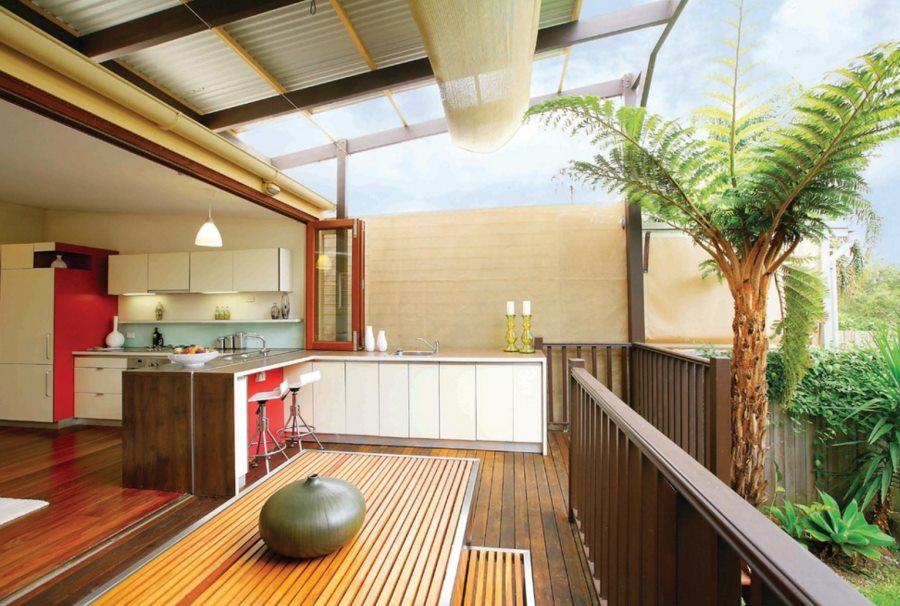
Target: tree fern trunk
[(749, 401)]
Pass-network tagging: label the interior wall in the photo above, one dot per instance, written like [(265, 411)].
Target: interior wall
[(20, 224), (137, 233), (448, 275)]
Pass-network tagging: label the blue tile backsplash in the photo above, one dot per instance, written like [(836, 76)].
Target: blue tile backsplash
[(280, 335)]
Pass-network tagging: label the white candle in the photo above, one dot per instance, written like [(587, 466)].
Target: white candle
[(510, 308), (526, 308)]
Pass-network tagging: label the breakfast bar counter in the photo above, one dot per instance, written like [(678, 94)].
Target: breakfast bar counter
[(186, 428)]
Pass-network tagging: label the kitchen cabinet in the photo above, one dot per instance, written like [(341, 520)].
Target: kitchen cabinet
[(424, 400), (212, 271), (362, 398), (26, 316), (329, 398), (393, 398), (27, 392), (17, 256), (262, 270), (457, 391), (169, 272), (127, 274), (528, 403), (494, 397)]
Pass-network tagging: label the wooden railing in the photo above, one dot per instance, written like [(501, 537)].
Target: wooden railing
[(608, 362), (659, 528), (687, 398)]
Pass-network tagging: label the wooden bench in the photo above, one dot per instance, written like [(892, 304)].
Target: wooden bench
[(494, 577), (406, 552)]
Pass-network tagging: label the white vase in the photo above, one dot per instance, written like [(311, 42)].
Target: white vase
[(370, 339), (115, 338), (58, 263), (382, 341)]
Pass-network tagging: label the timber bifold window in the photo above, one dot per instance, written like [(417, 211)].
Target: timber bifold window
[(335, 270)]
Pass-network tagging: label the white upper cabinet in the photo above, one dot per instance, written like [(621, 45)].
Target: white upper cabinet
[(127, 274), (212, 271), (17, 256), (169, 272), (262, 270)]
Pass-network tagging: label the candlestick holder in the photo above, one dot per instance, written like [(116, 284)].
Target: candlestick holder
[(511, 334), (527, 338)]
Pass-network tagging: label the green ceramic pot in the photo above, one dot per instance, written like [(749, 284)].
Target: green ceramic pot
[(312, 518)]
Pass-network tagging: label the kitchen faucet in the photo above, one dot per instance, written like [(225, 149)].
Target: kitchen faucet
[(242, 336), (435, 347)]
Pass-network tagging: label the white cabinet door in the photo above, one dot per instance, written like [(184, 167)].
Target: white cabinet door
[(329, 398), (424, 401), (528, 403), (393, 398), (285, 271), (127, 274), (362, 399), (494, 397), (458, 401), (169, 272), (26, 316), (27, 392), (212, 271), (17, 256), (304, 396), (256, 270)]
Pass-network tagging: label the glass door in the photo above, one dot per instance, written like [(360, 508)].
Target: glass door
[(335, 270)]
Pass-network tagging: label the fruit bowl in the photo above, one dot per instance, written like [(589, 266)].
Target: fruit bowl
[(193, 360)]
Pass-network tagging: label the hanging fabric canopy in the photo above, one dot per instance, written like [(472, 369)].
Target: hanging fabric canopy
[(481, 53)]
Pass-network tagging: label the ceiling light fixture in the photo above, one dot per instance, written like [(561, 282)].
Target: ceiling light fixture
[(208, 235), (271, 188)]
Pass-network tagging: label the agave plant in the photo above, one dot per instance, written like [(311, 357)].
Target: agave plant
[(747, 185), (848, 530)]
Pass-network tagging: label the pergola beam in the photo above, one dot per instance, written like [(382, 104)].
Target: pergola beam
[(393, 136), (171, 24), (419, 71)]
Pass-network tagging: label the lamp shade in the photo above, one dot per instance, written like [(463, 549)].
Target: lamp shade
[(323, 263), (209, 234)]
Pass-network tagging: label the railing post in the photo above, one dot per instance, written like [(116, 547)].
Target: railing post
[(718, 418), (572, 364)]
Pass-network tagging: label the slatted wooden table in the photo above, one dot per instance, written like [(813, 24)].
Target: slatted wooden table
[(409, 545)]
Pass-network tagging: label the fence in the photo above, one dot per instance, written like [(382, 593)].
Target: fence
[(659, 528)]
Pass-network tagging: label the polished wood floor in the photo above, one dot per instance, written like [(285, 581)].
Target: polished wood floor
[(520, 503), (79, 472)]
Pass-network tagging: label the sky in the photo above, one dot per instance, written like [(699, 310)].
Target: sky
[(794, 41)]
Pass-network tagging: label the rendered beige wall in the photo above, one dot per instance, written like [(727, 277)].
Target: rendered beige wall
[(682, 307), (19, 224), (134, 233), (448, 275)]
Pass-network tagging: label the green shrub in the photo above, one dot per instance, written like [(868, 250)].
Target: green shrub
[(826, 530)]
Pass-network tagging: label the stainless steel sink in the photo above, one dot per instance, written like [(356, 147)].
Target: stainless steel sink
[(245, 355), (412, 352)]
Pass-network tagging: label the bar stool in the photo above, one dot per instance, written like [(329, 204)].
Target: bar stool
[(296, 428), (264, 435)]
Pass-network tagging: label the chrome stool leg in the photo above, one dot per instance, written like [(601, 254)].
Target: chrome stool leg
[(263, 436), (296, 428)]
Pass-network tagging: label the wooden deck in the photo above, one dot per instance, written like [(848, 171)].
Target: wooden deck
[(79, 472), (402, 554)]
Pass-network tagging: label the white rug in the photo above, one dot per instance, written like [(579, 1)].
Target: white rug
[(10, 509)]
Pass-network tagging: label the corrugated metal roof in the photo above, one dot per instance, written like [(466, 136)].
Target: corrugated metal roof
[(87, 16), (387, 30), (297, 48), (554, 12), (203, 70)]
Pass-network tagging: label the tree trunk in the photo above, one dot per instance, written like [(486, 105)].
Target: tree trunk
[(749, 399), (881, 514)]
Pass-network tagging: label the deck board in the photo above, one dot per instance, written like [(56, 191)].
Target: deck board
[(409, 501)]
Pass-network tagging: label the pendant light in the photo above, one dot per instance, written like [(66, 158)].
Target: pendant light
[(209, 234)]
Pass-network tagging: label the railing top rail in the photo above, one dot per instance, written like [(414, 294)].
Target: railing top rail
[(794, 574), (584, 344), (671, 353)]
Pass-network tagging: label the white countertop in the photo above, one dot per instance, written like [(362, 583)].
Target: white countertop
[(128, 352)]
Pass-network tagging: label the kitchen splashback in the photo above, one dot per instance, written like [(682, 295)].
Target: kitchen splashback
[(280, 335)]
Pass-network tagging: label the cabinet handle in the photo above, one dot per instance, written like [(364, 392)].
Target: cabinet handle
[(98, 368), (98, 394), (47, 384), (47, 346)]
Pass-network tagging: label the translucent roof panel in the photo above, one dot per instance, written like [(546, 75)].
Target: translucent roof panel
[(357, 119), (545, 73), (320, 177), (201, 69), (387, 30), (282, 135), (87, 16), (592, 8), (554, 12), (420, 104), (610, 58)]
